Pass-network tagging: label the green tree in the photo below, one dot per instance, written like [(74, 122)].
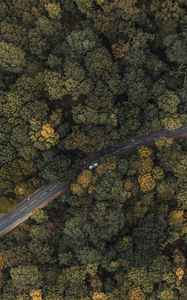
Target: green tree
[(13, 33), (54, 85), (82, 41), (168, 102), (38, 45), (175, 48), (181, 199), (12, 58), (40, 216), (26, 278), (42, 251), (98, 62)]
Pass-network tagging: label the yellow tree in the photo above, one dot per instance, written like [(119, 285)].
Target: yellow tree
[(40, 216), (1, 263), (136, 294), (145, 178), (43, 135), (146, 182), (82, 183), (99, 296), (36, 295)]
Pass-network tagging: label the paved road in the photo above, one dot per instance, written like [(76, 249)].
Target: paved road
[(132, 144), (55, 189), (24, 209)]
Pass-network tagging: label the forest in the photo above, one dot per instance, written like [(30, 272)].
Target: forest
[(78, 77)]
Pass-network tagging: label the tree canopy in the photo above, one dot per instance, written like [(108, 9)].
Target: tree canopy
[(78, 77)]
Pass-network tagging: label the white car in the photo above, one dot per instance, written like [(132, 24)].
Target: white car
[(91, 167)]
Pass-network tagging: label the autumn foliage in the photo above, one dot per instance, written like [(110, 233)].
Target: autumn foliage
[(77, 79)]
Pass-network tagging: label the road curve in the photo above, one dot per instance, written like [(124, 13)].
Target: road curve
[(55, 189)]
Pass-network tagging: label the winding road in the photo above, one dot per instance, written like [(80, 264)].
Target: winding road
[(46, 194)]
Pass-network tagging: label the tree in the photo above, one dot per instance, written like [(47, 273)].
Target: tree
[(147, 183), (38, 45), (112, 18), (76, 140), (42, 251), (79, 77), (167, 294), (135, 294), (36, 294), (26, 278), (54, 10), (98, 62), (43, 135), (54, 85), (179, 168), (11, 105), (168, 102), (40, 216), (172, 122), (76, 84), (181, 199), (36, 109), (175, 48), (83, 182), (148, 237), (13, 33), (163, 142), (12, 58), (82, 41), (99, 296), (86, 7)]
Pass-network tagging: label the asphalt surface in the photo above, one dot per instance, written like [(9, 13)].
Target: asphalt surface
[(25, 208), (55, 189), (130, 145)]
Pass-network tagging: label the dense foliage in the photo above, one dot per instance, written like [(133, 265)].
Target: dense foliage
[(76, 77)]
